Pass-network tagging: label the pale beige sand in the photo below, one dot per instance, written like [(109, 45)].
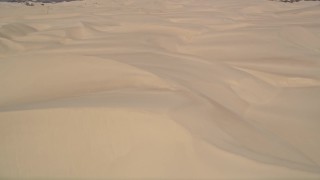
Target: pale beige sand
[(169, 89)]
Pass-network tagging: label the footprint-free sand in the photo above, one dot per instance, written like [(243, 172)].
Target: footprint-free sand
[(160, 89)]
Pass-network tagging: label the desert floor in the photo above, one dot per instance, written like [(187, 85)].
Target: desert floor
[(160, 89)]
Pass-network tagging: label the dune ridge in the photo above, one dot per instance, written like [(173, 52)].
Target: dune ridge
[(166, 89)]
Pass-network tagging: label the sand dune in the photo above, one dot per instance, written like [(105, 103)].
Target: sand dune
[(160, 89)]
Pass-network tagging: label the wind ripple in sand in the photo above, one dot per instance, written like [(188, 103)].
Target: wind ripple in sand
[(206, 69)]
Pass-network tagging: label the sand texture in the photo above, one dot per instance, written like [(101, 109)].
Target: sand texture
[(160, 89)]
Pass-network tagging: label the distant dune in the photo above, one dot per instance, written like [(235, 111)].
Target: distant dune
[(41, 1)]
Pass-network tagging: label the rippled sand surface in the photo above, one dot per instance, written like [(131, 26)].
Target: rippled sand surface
[(167, 89)]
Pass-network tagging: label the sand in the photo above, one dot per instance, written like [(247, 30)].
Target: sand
[(160, 89)]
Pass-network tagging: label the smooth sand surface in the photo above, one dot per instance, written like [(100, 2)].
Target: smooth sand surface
[(160, 89)]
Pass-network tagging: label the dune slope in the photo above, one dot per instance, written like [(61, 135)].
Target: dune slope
[(160, 89)]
